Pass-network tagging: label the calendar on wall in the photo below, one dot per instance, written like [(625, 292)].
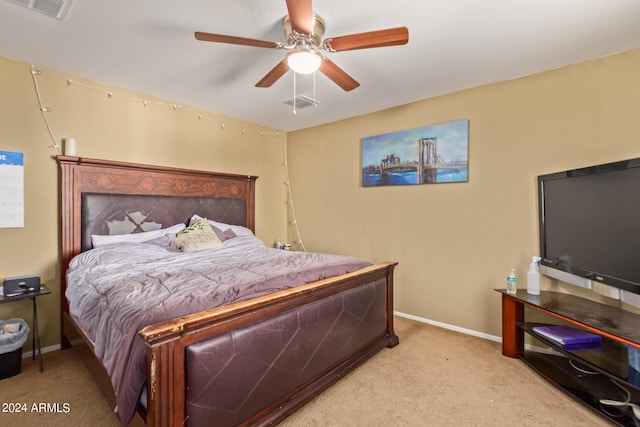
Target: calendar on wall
[(11, 189)]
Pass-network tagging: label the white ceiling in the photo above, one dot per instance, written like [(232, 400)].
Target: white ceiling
[(149, 46)]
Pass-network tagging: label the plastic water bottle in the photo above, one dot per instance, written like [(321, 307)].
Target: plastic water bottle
[(512, 282)]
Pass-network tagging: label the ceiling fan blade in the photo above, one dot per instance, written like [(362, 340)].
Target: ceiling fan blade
[(273, 75), (380, 38), (221, 38), (338, 75), (300, 16)]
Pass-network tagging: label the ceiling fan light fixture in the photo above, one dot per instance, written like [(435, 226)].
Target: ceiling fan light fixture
[(304, 61)]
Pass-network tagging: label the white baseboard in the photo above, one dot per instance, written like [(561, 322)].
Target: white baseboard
[(467, 331), (450, 327), (44, 350)]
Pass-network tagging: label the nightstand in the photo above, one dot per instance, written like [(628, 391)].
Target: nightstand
[(35, 338)]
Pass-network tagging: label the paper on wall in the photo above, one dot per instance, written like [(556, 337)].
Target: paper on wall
[(11, 189)]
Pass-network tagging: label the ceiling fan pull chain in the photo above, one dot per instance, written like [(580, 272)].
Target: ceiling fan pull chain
[(294, 93), (315, 104)]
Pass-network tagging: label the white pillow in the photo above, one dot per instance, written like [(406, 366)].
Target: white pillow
[(237, 229), (100, 240)]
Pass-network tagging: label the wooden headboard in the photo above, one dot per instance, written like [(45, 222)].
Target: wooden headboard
[(94, 192)]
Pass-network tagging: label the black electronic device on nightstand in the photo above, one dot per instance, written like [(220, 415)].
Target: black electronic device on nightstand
[(12, 286)]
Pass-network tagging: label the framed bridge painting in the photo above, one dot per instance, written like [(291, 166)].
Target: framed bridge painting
[(428, 155)]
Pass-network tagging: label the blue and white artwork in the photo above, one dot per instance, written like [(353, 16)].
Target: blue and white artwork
[(428, 155)]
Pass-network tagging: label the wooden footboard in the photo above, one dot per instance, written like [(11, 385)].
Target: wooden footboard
[(168, 342)]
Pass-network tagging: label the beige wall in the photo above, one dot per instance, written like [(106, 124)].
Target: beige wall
[(455, 243), (116, 128)]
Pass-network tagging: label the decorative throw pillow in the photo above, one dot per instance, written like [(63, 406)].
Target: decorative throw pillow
[(197, 237)]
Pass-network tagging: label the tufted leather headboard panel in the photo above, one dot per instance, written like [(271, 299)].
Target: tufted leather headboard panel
[(106, 214)]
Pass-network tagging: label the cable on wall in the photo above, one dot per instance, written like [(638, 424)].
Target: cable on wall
[(175, 107), (287, 182), (43, 109), (145, 103)]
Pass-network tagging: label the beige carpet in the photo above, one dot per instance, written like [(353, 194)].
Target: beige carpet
[(64, 381), (434, 377)]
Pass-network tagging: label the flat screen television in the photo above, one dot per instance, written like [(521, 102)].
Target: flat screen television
[(589, 221)]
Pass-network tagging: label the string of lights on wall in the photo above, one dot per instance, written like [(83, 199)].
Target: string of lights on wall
[(43, 109), (176, 107), (287, 183)]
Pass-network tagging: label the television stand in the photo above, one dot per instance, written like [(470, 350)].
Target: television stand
[(589, 376)]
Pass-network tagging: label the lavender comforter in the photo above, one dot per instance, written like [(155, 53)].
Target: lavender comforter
[(116, 290)]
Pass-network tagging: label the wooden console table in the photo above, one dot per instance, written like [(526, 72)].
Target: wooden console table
[(590, 376)]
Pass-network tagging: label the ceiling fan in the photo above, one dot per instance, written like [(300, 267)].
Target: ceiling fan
[(304, 31)]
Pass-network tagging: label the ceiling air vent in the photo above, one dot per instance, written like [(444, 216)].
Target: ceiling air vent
[(54, 8), (301, 102)]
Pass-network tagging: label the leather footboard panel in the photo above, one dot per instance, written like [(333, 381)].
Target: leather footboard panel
[(233, 376)]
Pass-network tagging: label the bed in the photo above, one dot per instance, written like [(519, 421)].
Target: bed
[(252, 356)]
